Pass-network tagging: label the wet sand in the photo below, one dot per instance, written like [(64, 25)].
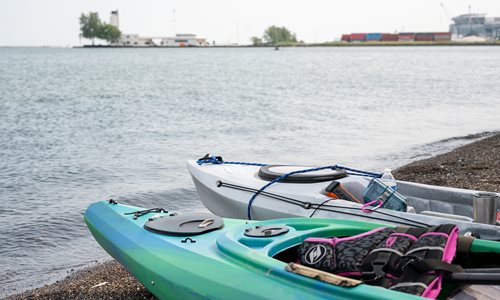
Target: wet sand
[(473, 166)]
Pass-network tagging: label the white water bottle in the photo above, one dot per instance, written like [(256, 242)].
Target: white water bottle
[(389, 179)]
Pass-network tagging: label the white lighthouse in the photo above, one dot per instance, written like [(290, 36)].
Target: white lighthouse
[(113, 19)]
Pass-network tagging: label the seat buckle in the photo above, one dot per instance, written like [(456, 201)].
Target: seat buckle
[(376, 273), (378, 269)]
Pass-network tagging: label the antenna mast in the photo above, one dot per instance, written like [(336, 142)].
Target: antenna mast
[(173, 20), (470, 21)]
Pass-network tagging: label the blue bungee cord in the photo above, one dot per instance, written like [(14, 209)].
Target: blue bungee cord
[(218, 161)]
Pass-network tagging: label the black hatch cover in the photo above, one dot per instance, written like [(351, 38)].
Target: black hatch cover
[(185, 224), (266, 231), (272, 172)]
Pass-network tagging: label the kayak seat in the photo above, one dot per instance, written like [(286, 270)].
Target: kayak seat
[(448, 216), (446, 207), (438, 199), (271, 172)]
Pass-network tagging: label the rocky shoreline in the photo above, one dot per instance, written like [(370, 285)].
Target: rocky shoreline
[(473, 166)]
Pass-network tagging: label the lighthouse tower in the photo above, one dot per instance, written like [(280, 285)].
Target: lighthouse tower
[(113, 19)]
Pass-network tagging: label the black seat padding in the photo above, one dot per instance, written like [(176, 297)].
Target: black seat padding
[(269, 173)]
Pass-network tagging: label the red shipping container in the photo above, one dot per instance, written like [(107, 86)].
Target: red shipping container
[(406, 37), (424, 37), (358, 37), (387, 37), (346, 38)]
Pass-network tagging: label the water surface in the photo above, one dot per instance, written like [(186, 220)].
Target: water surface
[(81, 125)]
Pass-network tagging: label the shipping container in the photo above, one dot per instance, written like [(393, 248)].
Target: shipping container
[(387, 37), (358, 37), (373, 37), (442, 36), (424, 37), (406, 37), (346, 38)]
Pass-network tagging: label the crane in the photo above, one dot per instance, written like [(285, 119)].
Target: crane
[(447, 15), (445, 12)]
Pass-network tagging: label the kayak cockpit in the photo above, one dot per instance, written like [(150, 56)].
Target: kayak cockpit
[(284, 242)]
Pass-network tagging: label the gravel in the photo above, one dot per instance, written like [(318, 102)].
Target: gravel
[(473, 166), (107, 280)]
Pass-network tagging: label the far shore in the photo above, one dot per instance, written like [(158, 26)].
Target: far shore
[(329, 44), (473, 166)]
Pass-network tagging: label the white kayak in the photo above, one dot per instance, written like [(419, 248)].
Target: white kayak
[(226, 190)]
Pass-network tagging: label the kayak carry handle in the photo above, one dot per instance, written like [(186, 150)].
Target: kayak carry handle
[(206, 223), (321, 275)]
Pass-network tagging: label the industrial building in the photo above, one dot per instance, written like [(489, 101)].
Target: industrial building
[(135, 40), (477, 25)]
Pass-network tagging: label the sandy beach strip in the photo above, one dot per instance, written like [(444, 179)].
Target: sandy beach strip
[(473, 166)]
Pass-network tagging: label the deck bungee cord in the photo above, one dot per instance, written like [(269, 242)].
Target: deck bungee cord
[(328, 207), (218, 160), (141, 213)]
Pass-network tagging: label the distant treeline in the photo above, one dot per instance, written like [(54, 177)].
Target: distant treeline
[(91, 27), (274, 36)]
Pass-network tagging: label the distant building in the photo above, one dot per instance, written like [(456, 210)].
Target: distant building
[(180, 40), (135, 40), (113, 19), (183, 40), (476, 24)]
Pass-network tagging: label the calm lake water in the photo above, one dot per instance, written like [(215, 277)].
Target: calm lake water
[(81, 125)]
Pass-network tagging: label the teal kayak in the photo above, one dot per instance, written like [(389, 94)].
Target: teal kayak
[(218, 258)]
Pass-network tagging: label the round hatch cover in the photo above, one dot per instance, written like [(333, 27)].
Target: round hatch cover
[(272, 172), (266, 231), (185, 224)]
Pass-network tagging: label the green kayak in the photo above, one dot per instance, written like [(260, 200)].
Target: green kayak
[(199, 256)]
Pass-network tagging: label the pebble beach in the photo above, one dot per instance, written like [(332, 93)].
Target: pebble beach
[(473, 166)]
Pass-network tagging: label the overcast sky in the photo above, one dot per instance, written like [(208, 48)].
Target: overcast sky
[(55, 22)]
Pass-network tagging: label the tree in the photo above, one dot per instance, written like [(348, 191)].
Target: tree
[(92, 27), (279, 35), (256, 41), (109, 33)]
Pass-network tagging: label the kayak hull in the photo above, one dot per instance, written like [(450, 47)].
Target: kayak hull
[(452, 204), (222, 264)]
